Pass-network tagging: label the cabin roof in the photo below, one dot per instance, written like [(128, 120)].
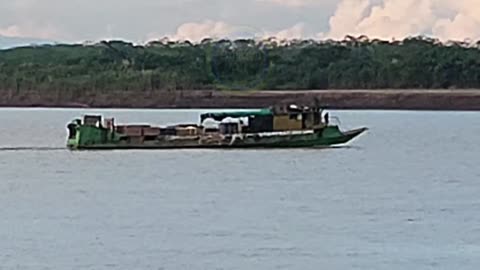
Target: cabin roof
[(219, 116)]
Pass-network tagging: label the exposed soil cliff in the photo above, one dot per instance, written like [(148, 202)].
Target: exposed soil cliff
[(331, 99)]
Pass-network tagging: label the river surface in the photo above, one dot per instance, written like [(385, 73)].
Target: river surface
[(405, 195)]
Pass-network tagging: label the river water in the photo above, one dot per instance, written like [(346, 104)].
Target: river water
[(405, 195)]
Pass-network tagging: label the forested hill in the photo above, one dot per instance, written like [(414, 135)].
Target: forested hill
[(242, 64)]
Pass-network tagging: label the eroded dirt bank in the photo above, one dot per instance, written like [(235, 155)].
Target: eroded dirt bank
[(330, 99)]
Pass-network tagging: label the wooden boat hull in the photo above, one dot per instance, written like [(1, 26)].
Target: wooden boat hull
[(93, 138)]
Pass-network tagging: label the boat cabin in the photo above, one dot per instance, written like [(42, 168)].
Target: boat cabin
[(293, 117), (280, 118)]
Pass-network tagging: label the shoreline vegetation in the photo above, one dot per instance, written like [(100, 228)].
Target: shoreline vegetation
[(245, 74)]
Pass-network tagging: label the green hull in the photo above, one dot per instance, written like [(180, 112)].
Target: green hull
[(94, 138)]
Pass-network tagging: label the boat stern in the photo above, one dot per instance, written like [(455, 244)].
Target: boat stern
[(73, 134)]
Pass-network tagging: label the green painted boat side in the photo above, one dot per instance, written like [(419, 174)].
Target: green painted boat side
[(95, 138)]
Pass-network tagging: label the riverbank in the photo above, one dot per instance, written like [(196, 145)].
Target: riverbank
[(330, 99)]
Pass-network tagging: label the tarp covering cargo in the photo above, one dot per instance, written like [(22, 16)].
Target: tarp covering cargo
[(235, 114)]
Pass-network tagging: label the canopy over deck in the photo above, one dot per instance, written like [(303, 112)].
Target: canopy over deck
[(235, 114)]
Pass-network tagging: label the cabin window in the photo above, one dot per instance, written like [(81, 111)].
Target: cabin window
[(150, 138), (316, 118), (297, 116)]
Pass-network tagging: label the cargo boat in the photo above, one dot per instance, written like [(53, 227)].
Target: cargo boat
[(275, 127)]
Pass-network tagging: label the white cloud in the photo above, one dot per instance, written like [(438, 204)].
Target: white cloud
[(391, 19), (76, 20), (292, 3), (348, 15), (207, 29), (197, 31), (460, 28), (403, 18), (464, 25), (295, 32), (29, 32)]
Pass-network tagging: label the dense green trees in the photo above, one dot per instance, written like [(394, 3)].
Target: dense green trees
[(360, 63)]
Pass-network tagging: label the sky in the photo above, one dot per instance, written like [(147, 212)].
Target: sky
[(141, 21)]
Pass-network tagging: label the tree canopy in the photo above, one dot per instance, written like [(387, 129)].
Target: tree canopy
[(352, 63)]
